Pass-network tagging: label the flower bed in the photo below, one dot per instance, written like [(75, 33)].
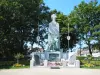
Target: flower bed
[(51, 64)]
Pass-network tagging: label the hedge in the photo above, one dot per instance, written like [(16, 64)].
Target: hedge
[(96, 63), (6, 63), (10, 63), (80, 58), (91, 60), (86, 58)]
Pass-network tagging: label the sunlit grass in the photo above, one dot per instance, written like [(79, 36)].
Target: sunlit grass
[(12, 67), (95, 67)]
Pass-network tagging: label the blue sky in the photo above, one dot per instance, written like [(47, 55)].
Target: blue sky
[(65, 6)]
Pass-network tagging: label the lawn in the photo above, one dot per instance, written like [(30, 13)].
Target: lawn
[(95, 67), (11, 67)]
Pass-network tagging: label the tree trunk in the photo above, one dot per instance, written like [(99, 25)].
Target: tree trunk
[(80, 47), (17, 61), (89, 45), (99, 45)]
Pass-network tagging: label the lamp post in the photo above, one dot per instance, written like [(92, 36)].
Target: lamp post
[(68, 38), (38, 39), (80, 43)]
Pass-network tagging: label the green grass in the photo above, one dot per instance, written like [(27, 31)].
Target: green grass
[(19, 67), (11, 67), (95, 67)]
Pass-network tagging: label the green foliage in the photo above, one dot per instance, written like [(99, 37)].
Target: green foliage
[(96, 63), (80, 58), (89, 57), (18, 56), (63, 22), (96, 58), (13, 64), (85, 17), (6, 63), (82, 62), (88, 65), (89, 60), (25, 62), (17, 65), (17, 19)]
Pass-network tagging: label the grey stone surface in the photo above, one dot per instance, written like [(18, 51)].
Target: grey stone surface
[(32, 61), (45, 63), (77, 64), (48, 71), (63, 62)]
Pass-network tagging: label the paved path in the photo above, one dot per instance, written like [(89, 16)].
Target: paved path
[(47, 71)]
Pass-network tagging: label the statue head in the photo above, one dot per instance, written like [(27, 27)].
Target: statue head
[(53, 17)]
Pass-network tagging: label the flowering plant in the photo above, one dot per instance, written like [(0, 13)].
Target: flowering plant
[(88, 65), (17, 65)]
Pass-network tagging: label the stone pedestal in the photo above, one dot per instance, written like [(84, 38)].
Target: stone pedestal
[(63, 62), (77, 64), (32, 63), (45, 63)]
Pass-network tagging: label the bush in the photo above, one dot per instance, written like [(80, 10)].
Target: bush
[(6, 63), (96, 58), (17, 65), (18, 56), (88, 58), (25, 62), (80, 57), (10, 63), (96, 63), (82, 62), (88, 65)]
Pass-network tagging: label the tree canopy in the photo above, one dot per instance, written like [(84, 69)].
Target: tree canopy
[(86, 18), (19, 21)]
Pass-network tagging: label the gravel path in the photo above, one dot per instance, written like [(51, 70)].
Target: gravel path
[(47, 71)]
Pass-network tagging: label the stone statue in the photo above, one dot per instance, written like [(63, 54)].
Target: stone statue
[(53, 34)]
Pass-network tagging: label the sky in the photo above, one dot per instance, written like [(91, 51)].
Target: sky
[(65, 6)]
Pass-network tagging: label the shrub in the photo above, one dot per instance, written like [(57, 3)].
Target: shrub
[(18, 56), (10, 63), (96, 58), (6, 63), (25, 62), (88, 65), (17, 65), (80, 57), (88, 58), (82, 62), (96, 63)]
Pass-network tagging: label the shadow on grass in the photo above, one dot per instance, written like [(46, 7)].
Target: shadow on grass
[(5, 67), (11, 67), (95, 67)]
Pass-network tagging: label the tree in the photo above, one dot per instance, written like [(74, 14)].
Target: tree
[(18, 56), (86, 17), (18, 19), (63, 21)]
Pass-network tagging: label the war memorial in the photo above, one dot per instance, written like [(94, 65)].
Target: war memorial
[(53, 56)]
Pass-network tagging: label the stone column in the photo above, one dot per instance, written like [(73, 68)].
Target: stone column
[(77, 64), (32, 61), (63, 62), (45, 63)]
